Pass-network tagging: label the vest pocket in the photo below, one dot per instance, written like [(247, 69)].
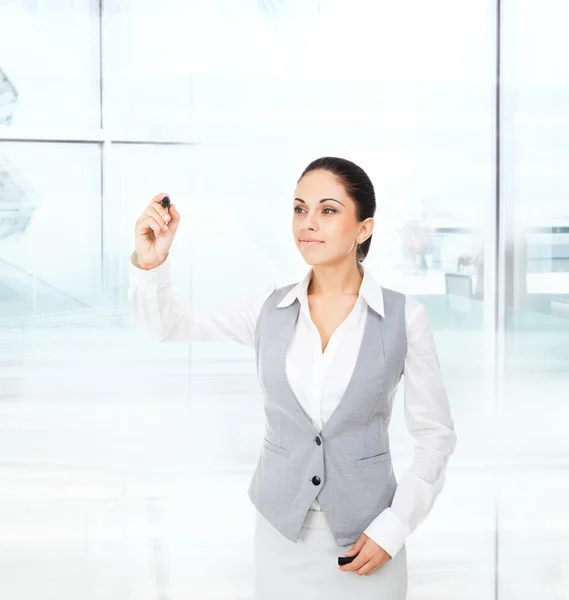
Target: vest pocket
[(370, 460), (276, 449)]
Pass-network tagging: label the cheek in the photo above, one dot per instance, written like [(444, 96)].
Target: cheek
[(296, 229), (343, 228)]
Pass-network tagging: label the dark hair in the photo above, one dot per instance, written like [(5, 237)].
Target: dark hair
[(358, 186)]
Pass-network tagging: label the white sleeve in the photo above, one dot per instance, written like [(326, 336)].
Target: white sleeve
[(168, 318), (428, 420)]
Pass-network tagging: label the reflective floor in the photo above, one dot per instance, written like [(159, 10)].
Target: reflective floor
[(124, 467)]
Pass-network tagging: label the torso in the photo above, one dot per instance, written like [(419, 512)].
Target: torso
[(327, 315)]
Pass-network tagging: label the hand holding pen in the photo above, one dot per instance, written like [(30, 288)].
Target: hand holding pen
[(154, 232)]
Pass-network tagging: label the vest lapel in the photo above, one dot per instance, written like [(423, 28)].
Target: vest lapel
[(370, 354), (367, 364), (284, 326)]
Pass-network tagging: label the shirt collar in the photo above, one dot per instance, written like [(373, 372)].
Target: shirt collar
[(370, 290)]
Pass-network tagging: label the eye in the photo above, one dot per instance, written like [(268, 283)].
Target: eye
[(298, 209)]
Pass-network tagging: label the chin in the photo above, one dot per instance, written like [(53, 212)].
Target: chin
[(311, 263), (315, 262)]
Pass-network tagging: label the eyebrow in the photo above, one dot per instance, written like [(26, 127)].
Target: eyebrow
[(323, 200)]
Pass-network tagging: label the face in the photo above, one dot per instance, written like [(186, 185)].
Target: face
[(323, 211)]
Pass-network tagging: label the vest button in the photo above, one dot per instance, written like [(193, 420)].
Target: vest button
[(316, 480), (318, 440)]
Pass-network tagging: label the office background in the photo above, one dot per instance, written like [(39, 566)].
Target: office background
[(125, 462)]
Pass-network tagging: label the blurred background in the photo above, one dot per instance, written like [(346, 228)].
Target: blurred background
[(124, 463)]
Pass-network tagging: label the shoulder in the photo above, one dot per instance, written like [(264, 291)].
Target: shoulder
[(393, 301), (413, 306), (280, 291), (416, 317), (413, 309), (274, 293)]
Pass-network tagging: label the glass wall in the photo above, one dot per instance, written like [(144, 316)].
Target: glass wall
[(127, 461), (534, 493), (50, 72)]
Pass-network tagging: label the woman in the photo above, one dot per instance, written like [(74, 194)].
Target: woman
[(330, 352)]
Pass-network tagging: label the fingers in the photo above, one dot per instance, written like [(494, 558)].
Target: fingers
[(160, 216), (158, 198), (157, 218), (356, 564), (362, 566), (374, 570), (151, 214), (357, 546), (175, 219), (174, 214), (368, 560), (156, 204), (143, 226), (367, 568)]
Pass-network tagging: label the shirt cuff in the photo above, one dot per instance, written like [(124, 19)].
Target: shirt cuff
[(141, 277), (388, 531)]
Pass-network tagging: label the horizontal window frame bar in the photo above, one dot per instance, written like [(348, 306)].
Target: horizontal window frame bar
[(88, 137)]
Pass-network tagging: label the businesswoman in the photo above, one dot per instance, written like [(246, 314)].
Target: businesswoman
[(330, 352)]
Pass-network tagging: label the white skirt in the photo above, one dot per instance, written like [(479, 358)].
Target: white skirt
[(308, 569)]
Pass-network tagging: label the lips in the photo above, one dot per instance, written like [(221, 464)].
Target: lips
[(309, 243)]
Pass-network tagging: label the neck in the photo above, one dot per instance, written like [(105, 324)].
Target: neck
[(336, 280)]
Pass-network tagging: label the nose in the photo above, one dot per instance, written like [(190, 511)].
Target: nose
[(309, 223)]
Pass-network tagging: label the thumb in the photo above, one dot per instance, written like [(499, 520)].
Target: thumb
[(173, 225), (356, 547)]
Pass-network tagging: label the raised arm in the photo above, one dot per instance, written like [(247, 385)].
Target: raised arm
[(157, 309), (167, 317)]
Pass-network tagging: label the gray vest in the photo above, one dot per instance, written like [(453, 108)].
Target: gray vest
[(347, 464)]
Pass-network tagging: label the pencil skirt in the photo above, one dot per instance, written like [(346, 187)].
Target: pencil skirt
[(308, 569)]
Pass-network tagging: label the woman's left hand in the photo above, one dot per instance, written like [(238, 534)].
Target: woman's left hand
[(371, 557)]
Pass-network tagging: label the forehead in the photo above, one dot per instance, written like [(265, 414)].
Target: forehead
[(320, 184)]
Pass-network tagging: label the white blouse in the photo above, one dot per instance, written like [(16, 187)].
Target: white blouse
[(319, 379)]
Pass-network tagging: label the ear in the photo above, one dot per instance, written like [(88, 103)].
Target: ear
[(366, 229)]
